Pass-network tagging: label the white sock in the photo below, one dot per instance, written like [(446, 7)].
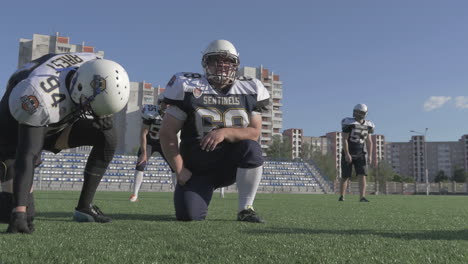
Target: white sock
[(247, 185), (137, 182), (174, 179), (221, 191)]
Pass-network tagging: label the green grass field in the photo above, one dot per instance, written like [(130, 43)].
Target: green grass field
[(300, 228)]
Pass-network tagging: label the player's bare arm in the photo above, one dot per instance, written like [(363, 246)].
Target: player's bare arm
[(169, 144), (233, 134), (369, 150)]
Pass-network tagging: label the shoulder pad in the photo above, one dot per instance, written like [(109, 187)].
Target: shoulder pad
[(27, 105), (183, 82), (245, 85), (369, 123), (348, 121), (262, 92)]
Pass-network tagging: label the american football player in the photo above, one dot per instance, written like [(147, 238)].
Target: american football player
[(56, 102), (219, 116), (357, 145), (152, 116)]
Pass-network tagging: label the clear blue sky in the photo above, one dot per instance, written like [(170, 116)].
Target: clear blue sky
[(407, 60)]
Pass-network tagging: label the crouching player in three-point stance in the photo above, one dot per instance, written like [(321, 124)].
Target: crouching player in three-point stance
[(152, 116), (357, 146), (53, 103), (219, 116)]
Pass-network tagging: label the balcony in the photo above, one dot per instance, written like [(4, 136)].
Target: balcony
[(276, 96)]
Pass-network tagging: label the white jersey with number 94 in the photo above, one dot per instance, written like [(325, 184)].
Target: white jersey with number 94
[(43, 98)]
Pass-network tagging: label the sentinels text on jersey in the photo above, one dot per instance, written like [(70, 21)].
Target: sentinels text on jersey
[(358, 134), (203, 108), (153, 120)]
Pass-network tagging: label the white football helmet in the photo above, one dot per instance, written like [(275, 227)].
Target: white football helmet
[(220, 62), (149, 112), (360, 111), (100, 86)]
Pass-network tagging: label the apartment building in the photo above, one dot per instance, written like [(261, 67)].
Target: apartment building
[(272, 119)]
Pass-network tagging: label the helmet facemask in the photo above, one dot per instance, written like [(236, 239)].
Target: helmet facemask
[(220, 68), (162, 106), (359, 115), (85, 106)]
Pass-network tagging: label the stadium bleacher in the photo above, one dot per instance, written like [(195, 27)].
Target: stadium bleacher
[(63, 171)]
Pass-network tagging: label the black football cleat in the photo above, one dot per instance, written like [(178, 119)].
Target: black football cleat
[(249, 215), (341, 199), (364, 200), (19, 223), (91, 214)]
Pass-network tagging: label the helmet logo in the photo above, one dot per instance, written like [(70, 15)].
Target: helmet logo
[(99, 84), (197, 92), (29, 103)]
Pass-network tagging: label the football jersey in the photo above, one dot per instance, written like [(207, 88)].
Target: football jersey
[(42, 99), (203, 108), (153, 120), (358, 134)]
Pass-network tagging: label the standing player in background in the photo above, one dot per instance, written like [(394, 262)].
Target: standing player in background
[(220, 120), (152, 116), (357, 145), (53, 103)]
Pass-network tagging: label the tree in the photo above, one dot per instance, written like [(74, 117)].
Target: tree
[(326, 164), (279, 149), (441, 177), (402, 178), (459, 175), (380, 174), (407, 179), (133, 151), (306, 151), (397, 178)]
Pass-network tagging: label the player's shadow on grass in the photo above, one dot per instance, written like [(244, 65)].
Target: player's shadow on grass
[(398, 234), (63, 216)]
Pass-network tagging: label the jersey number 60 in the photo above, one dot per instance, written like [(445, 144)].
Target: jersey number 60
[(209, 118)]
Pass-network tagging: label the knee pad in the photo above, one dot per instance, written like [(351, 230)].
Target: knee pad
[(141, 166)]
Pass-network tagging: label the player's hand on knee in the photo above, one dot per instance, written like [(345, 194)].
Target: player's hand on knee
[(184, 176), (212, 139), (348, 158)]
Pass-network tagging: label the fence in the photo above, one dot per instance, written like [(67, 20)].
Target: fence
[(448, 188)]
